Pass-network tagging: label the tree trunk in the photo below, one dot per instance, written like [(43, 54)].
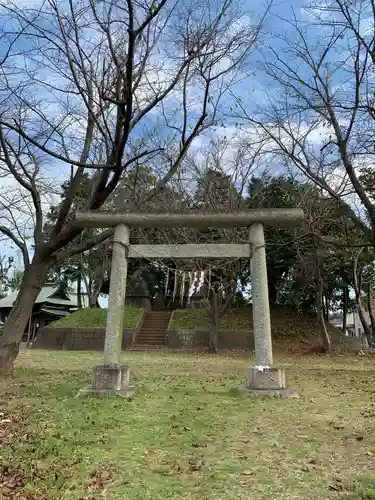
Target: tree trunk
[(370, 307), (213, 341), (345, 305), (272, 293), (365, 326), (324, 308), (358, 288), (325, 337), (94, 300), (79, 289), (32, 282), (327, 300)]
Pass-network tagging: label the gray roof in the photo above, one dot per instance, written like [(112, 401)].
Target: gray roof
[(54, 312), (46, 294)]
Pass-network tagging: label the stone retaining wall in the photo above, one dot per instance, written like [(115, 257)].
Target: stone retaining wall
[(92, 339), (82, 339), (227, 339), (78, 339)]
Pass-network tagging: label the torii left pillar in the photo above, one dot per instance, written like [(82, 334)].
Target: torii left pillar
[(112, 378)]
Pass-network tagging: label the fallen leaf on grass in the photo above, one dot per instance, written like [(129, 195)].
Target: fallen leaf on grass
[(199, 445), (338, 426), (245, 477), (336, 485), (99, 478), (195, 465), (105, 475), (368, 414), (347, 440), (247, 473), (309, 465), (308, 468)]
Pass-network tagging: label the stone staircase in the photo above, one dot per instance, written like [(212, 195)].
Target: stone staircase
[(154, 328)]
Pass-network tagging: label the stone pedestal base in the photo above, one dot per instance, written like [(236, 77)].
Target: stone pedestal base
[(269, 382), (110, 381)]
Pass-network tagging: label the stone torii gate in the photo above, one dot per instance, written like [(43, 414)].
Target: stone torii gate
[(112, 378)]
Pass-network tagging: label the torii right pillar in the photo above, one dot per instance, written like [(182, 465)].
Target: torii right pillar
[(264, 379)]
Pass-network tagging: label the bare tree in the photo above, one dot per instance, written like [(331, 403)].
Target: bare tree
[(318, 115), (94, 269), (358, 284), (103, 85), (214, 178), (313, 256)]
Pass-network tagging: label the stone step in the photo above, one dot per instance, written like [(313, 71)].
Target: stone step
[(152, 329), (156, 320), (150, 342), (146, 347), (153, 325), (158, 315), (152, 337), (152, 333)]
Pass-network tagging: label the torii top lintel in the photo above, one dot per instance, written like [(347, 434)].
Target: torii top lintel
[(193, 219)]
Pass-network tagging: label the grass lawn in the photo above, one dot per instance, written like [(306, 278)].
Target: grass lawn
[(291, 330), (97, 317), (286, 322), (186, 436)]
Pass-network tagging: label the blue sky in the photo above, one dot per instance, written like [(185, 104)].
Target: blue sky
[(253, 90)]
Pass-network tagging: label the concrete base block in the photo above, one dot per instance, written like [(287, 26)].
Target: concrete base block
[(267, 393), (266, 378), (89, 391), (110, 381), (267, 382)]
